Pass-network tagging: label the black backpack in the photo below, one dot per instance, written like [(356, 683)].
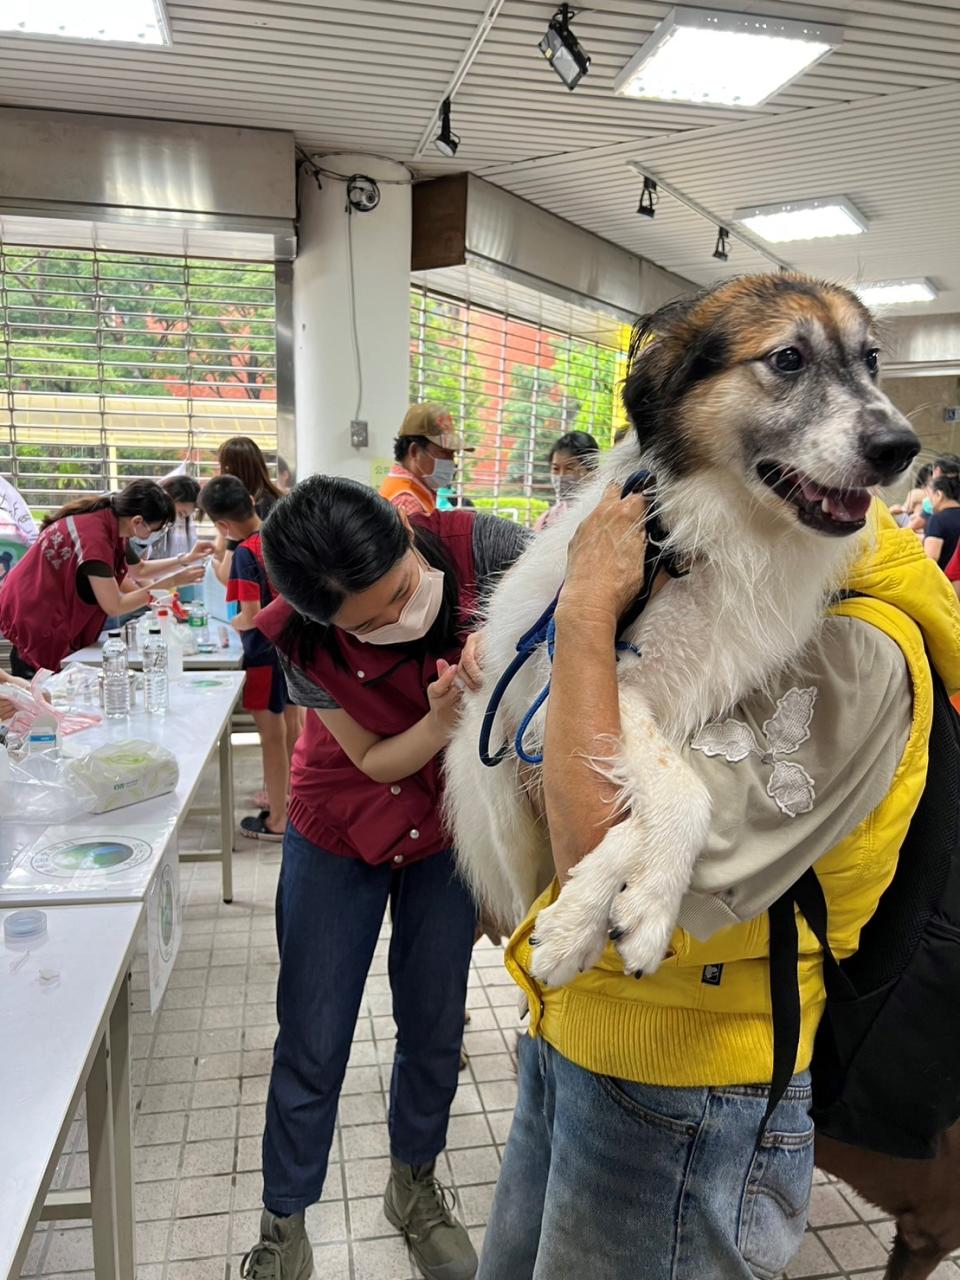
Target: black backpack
[(886, 1059)]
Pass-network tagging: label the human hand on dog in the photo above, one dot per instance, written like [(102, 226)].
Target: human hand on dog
[(444, 696), (605, 559), (471, 660)]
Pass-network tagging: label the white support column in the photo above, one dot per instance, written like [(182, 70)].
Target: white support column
[(323, 302)]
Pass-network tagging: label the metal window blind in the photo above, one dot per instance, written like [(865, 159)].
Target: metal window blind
[(513, 388), (117, 365)]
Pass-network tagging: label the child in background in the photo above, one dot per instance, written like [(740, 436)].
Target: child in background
[(229, 505)]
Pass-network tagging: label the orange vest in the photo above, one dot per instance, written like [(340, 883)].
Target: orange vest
[(399, 480)]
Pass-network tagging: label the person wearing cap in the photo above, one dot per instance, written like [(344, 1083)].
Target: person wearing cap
[(423, 459)]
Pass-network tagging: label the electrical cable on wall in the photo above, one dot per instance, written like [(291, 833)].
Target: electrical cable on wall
[(353, 313)]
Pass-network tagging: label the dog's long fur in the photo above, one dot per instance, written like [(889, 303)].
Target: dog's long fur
[(708, 406)]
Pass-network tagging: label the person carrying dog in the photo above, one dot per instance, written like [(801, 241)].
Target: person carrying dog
[(634, 1143)]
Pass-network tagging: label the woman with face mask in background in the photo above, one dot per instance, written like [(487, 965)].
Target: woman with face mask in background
[(372, 631), (424, 453), (572, 458), (80, 571)]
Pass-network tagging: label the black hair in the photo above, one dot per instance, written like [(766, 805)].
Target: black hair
[(922, 478), (401, 446), (182, 488), (949, 464), (331, 537), (948, 485), (142, 498), (226, 498), (580, 444)]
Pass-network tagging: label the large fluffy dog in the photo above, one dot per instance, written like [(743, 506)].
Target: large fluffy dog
[(756, 407)]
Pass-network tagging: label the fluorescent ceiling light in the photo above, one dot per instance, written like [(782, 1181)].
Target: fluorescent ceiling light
[(723, 59), (803, 219), (114, 21), (884, 292)]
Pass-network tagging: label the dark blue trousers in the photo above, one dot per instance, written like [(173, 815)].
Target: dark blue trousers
[(329, 913)]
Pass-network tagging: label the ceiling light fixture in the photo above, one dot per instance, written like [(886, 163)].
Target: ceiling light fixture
[(109, 21), (648, 199), (446, 140), (803, 219), (723, 59), (720, 249), (880, 293), (562, 49)]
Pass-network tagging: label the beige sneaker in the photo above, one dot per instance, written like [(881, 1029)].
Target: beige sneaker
[(283, 1253), (421, 1207)]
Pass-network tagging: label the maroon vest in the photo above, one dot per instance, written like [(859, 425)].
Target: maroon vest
[(333, 803), (41, 613)]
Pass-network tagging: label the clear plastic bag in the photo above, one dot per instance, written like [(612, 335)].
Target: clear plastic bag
[(30, 703), (52, 788), (40, 788)]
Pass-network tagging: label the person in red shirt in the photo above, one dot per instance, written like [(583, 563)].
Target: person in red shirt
[(372, 628), (231, 508), (56, 599)]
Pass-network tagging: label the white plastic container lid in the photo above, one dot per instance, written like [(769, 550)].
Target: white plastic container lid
[(25, 926)]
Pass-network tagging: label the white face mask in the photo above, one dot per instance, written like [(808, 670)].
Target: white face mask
[(418, 614), (150, 539), (442, 475), (564, 486)]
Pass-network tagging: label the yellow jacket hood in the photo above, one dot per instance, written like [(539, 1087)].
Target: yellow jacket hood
[(894, 568)]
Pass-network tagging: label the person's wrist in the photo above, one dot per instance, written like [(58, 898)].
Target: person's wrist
[(586, 613)]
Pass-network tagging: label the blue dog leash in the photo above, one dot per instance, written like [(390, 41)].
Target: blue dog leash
[(543, 632)]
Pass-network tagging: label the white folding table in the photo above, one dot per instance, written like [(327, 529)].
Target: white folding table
[(197, 725), (62, 1038)]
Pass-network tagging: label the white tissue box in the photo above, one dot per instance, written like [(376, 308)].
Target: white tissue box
[(123, 773)]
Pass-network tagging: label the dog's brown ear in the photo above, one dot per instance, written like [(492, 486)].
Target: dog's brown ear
[(669, 352)]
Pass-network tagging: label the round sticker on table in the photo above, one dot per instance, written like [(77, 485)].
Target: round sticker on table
[(166, 913), (108, 855)]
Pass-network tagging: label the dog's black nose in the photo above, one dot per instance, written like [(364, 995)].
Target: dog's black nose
[(890, 451)]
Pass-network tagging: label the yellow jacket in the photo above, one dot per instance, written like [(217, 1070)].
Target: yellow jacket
[(675, 1027)]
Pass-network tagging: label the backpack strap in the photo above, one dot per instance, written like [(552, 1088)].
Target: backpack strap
[(807, 895)]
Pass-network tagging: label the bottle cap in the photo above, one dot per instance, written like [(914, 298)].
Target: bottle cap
[(111, 634), (154, 630)]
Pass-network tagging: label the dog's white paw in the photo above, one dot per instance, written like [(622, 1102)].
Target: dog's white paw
[(641, 924), (568, 937)]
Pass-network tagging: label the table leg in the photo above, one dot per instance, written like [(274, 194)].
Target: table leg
[(102, 1172), (122, 1135), (226, 811)]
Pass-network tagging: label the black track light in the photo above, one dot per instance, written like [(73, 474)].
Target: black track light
[(720, 249), (562, 50), (446, 140), (648, 199)]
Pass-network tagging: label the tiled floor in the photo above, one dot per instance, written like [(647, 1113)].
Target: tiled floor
[(200, 1079)]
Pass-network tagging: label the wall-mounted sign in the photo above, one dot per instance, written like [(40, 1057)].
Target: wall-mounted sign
[(952, 414)]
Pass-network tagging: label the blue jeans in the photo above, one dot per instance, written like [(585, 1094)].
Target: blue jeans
[(329, 912), (616, 1181)]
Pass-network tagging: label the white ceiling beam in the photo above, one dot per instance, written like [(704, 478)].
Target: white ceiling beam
[(483, 29)]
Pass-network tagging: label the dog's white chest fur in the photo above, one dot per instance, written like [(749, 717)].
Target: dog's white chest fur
[(750, 604)]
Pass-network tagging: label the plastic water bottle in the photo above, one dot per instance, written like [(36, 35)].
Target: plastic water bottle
[(116, 678), (155, 686), (198, 622)]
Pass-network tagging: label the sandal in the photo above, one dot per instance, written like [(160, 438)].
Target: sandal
[(257, 829)]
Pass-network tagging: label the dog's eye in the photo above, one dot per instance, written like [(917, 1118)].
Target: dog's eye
[(787, 360), (872, 361)]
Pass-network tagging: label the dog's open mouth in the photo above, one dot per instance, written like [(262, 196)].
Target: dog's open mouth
[(835, 512)]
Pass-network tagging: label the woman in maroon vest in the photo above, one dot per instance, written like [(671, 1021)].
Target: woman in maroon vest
[(76, 575), (373, 616)]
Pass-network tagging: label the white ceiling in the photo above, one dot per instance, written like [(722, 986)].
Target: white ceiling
[(878, 120)]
